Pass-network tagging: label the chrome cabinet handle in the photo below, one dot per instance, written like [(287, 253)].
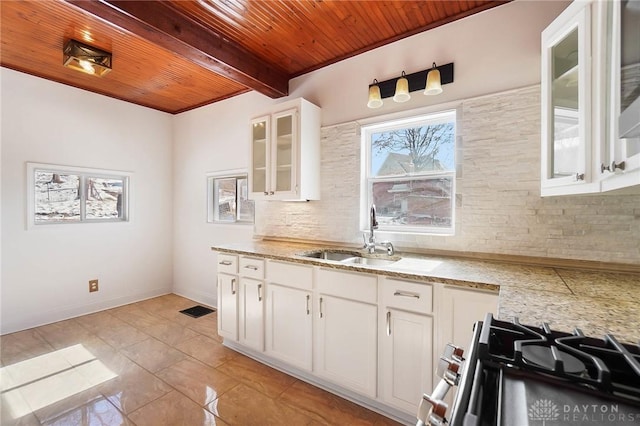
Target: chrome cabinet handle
[(308, 311), (321, 308), (225, 263), (266, 193), (406, 294), (612, 168), (233, 283), (388, 323), (579, 176), (259, 292), (271, 192), (253, 267)]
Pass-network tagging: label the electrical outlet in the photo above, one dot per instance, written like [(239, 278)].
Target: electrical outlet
[(93, 286)]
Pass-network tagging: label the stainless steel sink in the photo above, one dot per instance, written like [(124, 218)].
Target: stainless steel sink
[(336, 255), (350, 257), (371, 261)]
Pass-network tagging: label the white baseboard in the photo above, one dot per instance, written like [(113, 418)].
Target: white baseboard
[(67, 312), (208, 299)]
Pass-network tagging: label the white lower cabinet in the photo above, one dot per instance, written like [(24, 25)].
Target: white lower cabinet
[(228, 296), (346, 344), (289, 316), (362, 333), (251, 313), (407, 348), (460, 309), (289, 325), (346, 341), (406, 343)]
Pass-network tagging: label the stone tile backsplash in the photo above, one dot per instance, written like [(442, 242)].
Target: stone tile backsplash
[(498, 203)]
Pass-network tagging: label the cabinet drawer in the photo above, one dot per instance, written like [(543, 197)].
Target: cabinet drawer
[(350, 285), (290, 275), (251, 267), (407, 295), (227, 263)]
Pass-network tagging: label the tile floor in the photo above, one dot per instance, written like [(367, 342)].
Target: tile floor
[(147, 364)]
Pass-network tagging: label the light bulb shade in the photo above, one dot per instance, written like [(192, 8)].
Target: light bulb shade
[(434, 86), (402, 90), (375, 100)]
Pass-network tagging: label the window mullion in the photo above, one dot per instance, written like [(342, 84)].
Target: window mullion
[(83, 198)]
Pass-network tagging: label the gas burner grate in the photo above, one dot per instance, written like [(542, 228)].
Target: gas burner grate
[(603, 364)]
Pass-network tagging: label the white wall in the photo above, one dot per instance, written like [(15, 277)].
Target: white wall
[(45, 271), (492, 51), (210, 139), (495, 50)]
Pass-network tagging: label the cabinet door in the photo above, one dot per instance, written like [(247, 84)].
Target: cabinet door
[(260, 151), (283, 152), (620, 163), (407, 350), (289, 325), (460, 309), (566, 103), (251, 313), (228, 306), (346, 343)]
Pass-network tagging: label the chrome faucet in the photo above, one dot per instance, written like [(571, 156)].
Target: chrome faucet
[(371, 244)]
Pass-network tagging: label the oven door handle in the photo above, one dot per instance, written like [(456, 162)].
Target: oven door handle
[(432, 408)]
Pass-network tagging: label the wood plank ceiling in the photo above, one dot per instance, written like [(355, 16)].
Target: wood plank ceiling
[(177, 55)]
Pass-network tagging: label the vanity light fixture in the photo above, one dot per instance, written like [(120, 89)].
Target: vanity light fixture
[(429, 80), (87, 59)]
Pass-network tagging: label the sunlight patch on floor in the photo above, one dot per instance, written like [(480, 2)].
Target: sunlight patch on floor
[(46, 379)]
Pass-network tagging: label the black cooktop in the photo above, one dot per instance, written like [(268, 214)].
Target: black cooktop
[(532, 375)]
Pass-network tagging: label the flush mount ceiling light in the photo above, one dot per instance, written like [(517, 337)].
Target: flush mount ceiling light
[(430, 80), (87, 59)]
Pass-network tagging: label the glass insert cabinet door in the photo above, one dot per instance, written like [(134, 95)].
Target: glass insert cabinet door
[(283, 151), (566, 103), (260, 154), (624, 35)]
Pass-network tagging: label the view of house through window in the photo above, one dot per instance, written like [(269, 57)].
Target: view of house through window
[(410, 173), (77, 195), (228, 199)]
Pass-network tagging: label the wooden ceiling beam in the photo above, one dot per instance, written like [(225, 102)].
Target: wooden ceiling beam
[(168, 28)]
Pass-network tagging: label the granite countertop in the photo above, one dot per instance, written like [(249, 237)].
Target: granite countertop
[(597, 302)]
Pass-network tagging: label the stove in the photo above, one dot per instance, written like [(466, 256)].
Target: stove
[(518, 375)]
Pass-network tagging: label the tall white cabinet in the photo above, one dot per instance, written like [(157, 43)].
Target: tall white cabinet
[(285, 153)]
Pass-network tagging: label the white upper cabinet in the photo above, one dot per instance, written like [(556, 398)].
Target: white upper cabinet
[(620, 158), (285, 153), (566, 103), (590, 72)]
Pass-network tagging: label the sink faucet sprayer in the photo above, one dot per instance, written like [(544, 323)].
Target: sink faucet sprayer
[(371, 244)]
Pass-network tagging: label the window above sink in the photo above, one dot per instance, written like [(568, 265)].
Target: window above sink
[(409, 173)]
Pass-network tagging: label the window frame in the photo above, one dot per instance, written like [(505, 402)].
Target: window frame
[(83, 173), (395, 122), (212, 211)]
